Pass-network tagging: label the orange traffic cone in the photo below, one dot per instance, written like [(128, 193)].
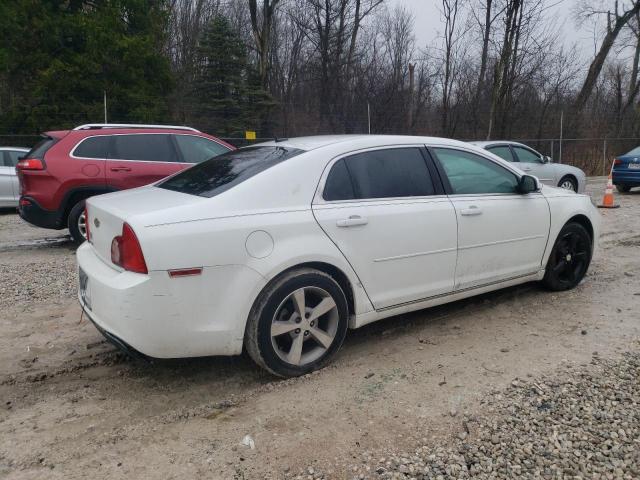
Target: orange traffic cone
[(607, 200)]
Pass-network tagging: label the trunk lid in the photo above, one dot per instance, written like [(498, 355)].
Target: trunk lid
[(107, 213)]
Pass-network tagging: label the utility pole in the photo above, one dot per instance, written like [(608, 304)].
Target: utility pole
[(410, 102), (105, 106), (368, 118), (561, 120)]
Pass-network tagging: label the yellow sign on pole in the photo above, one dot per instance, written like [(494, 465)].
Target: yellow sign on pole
[(250, 135)]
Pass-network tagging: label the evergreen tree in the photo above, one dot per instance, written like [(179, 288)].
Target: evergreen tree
[(57, 57), (228, 92)]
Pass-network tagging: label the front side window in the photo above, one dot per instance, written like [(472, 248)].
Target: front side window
[(143, 147), (223, 172), (527, 156), (503, 151), (388, 173), (469, 173), (198, 149), (93, 147)]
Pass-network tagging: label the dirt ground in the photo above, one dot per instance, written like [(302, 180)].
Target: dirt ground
[(74, 407)]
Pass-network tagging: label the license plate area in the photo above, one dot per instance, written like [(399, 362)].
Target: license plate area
[(634, 166), (85, 293)]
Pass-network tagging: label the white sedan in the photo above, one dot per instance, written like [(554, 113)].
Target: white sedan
[(281, 247)]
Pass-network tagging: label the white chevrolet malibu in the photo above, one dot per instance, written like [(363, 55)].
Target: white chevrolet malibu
[(281, 247)]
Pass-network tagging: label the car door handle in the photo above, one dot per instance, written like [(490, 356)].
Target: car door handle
[(352, 221), (526, 169), (120, 169), (472, 210)]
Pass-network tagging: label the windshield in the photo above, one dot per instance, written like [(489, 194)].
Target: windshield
[(223, 172)]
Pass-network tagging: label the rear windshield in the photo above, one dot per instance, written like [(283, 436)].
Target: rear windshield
[(223, 172), (633, 153), (40, 148)]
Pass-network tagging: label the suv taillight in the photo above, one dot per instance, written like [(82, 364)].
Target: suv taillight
[(126, 251), (30, 164)]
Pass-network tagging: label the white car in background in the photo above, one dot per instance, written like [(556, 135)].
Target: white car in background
[(9, 185), (538, 165), (280, 247)]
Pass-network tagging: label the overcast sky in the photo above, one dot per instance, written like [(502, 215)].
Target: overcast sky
[(428, 22)]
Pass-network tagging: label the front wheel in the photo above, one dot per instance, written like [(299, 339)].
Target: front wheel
[(569, 259), (77, 223), (297, 323), (568, 183)]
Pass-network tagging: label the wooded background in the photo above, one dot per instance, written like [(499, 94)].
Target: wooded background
[(497, 69)]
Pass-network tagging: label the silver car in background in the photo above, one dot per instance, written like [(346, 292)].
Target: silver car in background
[(538, 165), (9, 188)]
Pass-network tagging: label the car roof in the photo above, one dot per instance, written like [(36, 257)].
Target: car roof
[(361, 141), (488, 143)]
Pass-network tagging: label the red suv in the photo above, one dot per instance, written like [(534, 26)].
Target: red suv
[(68, 166)]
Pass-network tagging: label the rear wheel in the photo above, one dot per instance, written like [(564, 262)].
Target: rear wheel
[(568, 183), (298, 323), (77, 223), (569, 259), (623, 188)]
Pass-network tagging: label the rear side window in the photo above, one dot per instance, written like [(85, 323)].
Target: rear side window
[(388, 173), (503, 152), (93, 147), (144, 147), (9, 158), (225, 171), (40, 148), (339, 185), (198, 149), (469, 173)]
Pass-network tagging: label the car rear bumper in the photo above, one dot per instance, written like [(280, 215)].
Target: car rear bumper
[(38, 216), (627, 177), (165, 317)]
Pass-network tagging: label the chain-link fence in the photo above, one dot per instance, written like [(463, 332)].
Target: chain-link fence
[(593, 155)]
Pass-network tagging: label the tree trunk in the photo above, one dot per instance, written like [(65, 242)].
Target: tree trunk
[(596, 65)]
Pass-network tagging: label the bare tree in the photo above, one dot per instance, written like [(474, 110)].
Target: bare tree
[(615, 23), (261, 25)]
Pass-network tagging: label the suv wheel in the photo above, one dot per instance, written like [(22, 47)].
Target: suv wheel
[(77, 223), (298, 323)]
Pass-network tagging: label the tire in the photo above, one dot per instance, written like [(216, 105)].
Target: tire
[(570, 258), (74, 221), (569, 183), (623, 188), (277, 305)]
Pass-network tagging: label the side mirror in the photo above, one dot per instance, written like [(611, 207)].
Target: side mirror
[(528, 184), (546, 159)]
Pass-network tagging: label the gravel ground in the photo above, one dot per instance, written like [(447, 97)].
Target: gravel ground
[(580, 422)]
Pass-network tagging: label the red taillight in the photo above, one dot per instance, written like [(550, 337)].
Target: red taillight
[(24, 202), (617, 161), (30, 164), (86, 223), (126, 251)]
